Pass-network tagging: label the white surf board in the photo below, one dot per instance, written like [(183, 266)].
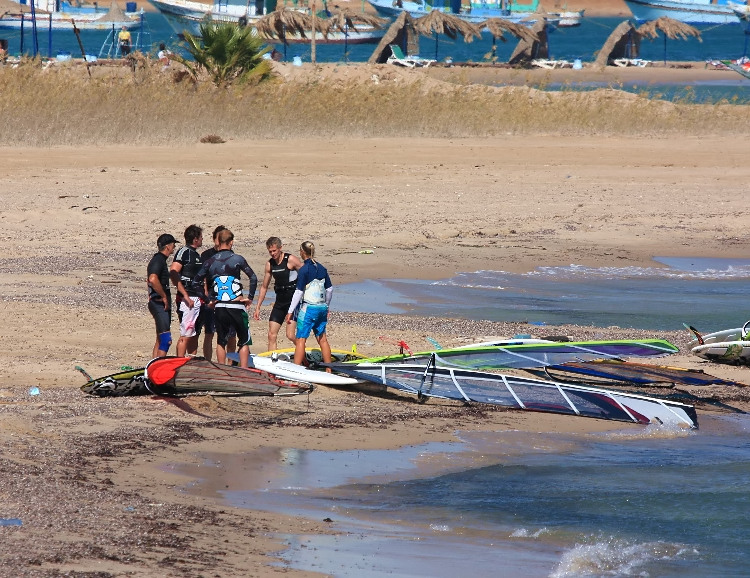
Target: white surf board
[(294, 372), (735, 352)]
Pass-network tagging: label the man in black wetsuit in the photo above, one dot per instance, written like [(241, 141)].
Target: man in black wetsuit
[(283, 268), (207, 313), (159, 297), (184, 267), (219, 276)]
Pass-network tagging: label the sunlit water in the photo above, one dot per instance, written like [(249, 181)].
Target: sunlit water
[(642, 502), (582, 42), (710, 294)]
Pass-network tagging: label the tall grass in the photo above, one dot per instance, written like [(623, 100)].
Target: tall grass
[(63, 106)]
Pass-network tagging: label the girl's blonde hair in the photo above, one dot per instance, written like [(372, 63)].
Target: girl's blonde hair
[(308, 249)]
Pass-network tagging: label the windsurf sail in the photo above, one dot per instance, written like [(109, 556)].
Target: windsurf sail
[(169, 375), (639, 373), (528, 355), (523, 393), (131, 382)]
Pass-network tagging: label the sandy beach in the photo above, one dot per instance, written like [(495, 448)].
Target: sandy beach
[(89, 477)]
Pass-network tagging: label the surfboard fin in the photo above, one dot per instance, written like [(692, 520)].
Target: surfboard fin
[(695, 332)]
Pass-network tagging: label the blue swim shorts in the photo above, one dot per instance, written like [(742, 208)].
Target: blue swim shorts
[(311, 318)]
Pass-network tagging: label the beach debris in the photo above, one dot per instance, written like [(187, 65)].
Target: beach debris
[(212, 139), (34, 390), (10, 522)]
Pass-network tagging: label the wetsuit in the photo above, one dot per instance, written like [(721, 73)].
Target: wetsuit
[(284, 284), (191, 319), (230, 312), (162, 316)]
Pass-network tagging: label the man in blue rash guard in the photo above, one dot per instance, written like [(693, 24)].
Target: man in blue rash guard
[(314, 291), (159, 297), (219, 277)]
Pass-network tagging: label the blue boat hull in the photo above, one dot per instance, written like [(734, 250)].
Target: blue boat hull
[(688, 12)]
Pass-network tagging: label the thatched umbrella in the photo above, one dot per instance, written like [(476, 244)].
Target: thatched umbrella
[(346, 19), (497, 26), (437, 22), (527, 50), (282, 23), (401, 33), (624, 42), (671, 28)]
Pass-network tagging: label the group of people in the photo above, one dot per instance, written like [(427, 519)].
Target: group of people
[(211, 296)]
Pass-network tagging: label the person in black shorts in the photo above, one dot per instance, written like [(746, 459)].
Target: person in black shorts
[(283, 268), (222, 274), (159, 297), (207, 313)]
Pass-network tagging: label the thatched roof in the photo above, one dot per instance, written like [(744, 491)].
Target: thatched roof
[(624, 42), (497, 26), (528, 50), (8, 7), (671, 28), (115, 14), (283, 22), (401, 32), (345, 18), (437, 22)]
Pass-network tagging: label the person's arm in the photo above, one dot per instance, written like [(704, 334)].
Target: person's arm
[(252, 280), (153, 281), (263, 290), (329, 289), (174, 275), (295, 263), (296, 298)]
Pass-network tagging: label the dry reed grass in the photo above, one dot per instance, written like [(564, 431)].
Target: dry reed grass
[(62, 106)]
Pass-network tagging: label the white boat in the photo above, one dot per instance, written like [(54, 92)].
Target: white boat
[(61, 16), (688, 11), (566, 18), (65, 21), (475, 13), (188, 15)]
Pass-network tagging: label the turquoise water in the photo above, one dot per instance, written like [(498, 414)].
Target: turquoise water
[(638, 502), (709, 294), (583, 42)]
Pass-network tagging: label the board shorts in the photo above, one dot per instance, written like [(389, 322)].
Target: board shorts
[(311, 318), (232, 317), (279, 311), (162, 317), (209, 321), (191, 321)]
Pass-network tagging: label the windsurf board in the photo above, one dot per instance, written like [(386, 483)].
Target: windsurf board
[(292, 371), (130, 382), (734, 352)]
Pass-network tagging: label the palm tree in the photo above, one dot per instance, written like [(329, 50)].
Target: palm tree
[(671, 28), (437, 22), (228, 53)]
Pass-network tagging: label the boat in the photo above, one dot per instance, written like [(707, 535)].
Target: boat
[(427, 380), (62, 16), (566, 18), (474, 13), (188, 15), (65, 21), (688, 11), (530, 355)]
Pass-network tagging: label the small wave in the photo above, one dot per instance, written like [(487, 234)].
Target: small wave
[(651, 431), (616, 557), (440, 528), (501, 280), (524, 533)]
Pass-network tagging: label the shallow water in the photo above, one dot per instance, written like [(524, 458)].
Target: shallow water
[(710, 294), (646, 502)]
